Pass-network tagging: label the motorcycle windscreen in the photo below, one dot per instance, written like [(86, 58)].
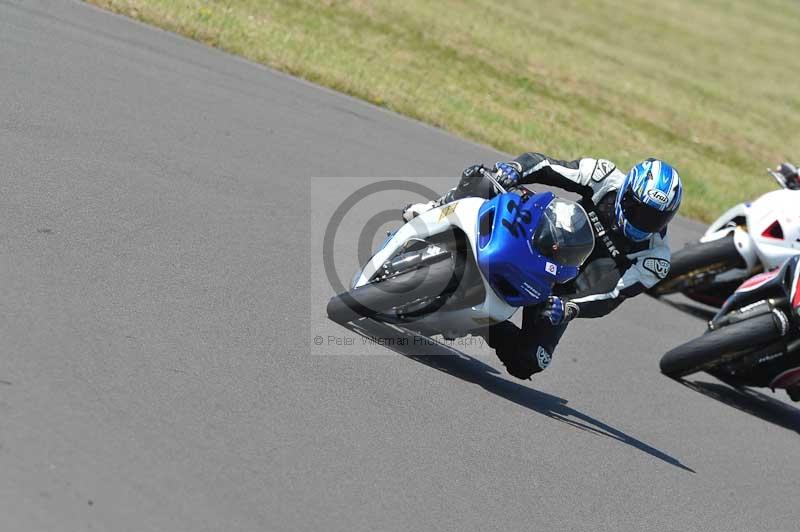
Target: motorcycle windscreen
[(564, 233)]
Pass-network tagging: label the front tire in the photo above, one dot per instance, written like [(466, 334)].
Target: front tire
[(435, 280), (722, 345), (696, 265)]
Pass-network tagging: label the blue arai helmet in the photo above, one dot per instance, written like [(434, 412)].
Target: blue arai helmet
[(648, 199)]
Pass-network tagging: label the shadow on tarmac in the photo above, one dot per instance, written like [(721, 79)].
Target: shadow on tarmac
[(752, 402), (745, 399), (453, 362)]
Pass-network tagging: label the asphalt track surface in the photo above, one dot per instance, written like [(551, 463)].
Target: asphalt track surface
[(157, 369)]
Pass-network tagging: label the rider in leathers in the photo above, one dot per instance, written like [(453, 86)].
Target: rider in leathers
[(625, 262)]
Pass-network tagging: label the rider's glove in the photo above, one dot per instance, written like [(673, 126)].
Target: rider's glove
[(787, 169), (473, 172), (559, 311), (508, 174)]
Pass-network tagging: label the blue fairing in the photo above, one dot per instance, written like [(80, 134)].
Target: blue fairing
[(516, 270)]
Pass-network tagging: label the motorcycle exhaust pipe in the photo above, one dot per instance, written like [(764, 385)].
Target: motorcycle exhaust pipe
[(414, 260)]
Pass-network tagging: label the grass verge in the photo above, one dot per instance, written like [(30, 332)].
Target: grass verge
[(710, 86)]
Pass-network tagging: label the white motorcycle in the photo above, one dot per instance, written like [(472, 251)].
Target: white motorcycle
[(470, 263), (747, 239)]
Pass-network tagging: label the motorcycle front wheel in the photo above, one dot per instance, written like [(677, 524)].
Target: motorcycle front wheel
[(722, 345), (431, 281)]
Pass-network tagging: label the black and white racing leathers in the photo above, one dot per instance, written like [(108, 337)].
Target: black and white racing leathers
[(617, 269)]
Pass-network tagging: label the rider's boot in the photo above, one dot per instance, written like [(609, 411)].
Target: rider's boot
[(412, 210), (472, 183)]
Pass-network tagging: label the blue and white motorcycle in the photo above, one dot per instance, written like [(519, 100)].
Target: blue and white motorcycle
[(470, 263)]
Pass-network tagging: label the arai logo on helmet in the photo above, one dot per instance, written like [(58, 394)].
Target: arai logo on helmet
[(658, 196)]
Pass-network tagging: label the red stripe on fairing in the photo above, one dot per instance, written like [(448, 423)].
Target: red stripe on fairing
[(786, 378), (796, 297), (757, 280)]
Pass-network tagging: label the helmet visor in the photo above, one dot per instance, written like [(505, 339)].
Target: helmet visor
[(564, 233), (644, 217)]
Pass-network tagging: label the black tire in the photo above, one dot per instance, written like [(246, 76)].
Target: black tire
[(381, 297), (695, 260), (722, 345)]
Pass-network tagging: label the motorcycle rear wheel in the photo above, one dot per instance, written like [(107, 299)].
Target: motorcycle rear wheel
[(692, 262)]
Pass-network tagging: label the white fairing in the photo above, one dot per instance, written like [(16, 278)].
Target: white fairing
[(782, 206), (724, 221), (753, 241), (454, 323)]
